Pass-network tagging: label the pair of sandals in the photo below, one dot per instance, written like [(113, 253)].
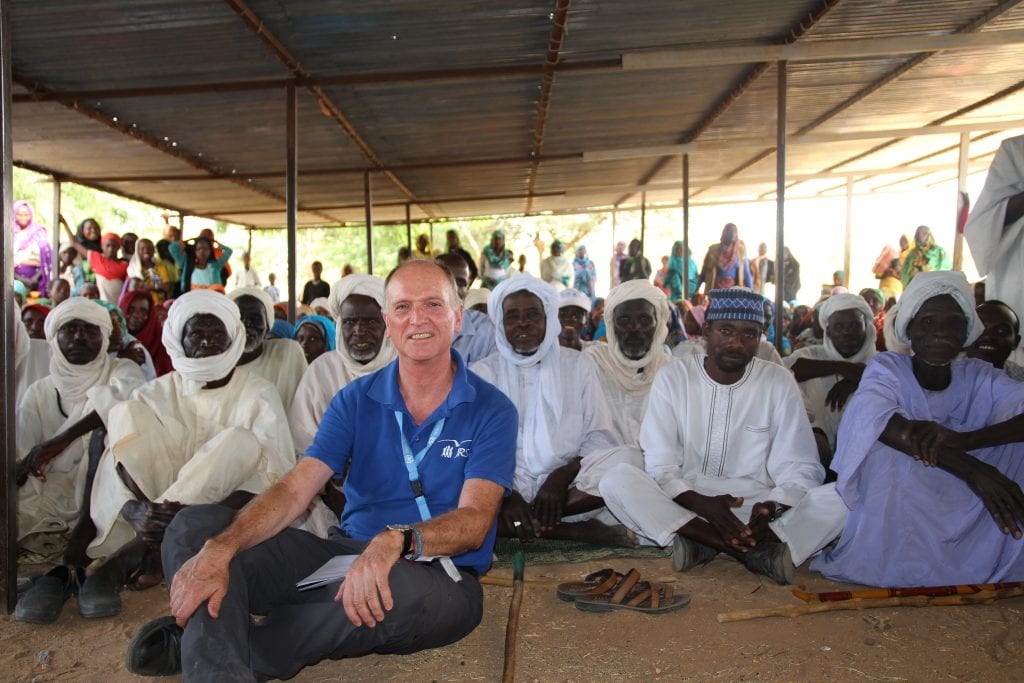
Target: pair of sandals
[(607, 590)]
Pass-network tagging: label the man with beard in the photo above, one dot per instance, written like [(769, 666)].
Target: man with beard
[(566, 441), (638, 314), (279, 361), (999, 338), (829, 373), (729, 457), (476, 338), (573, 309), (55, 418)]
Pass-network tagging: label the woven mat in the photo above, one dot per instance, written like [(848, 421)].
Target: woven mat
[(544, 551)]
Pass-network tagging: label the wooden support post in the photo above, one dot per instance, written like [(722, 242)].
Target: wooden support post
[(291, 193), (780, 201), (686, 226), (962, 200), (848, 241), (368, 205), (8, 532)]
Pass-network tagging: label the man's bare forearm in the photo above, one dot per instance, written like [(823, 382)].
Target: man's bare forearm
[(465, 527)]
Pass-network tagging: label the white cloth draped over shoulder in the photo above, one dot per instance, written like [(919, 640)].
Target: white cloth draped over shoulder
[(196, 372), (998, 249), (562, 411), (283, 364), (627, 382), (332, 371)]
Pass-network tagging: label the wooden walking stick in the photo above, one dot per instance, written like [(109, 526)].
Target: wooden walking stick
[(931, 591), (798, 610), (512, 630)]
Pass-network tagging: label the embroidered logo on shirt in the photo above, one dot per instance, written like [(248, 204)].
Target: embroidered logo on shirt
[(455, 449)]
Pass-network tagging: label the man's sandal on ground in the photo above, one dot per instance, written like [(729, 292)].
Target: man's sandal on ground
[(640, 596), (601, 581)]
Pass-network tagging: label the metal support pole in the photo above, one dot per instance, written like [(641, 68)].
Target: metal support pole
[(55, 227), (292, 192), (780, 201), (612, 267), (643, 219), (408, 225), (181, 224), (686, 226), (368, 205), (8, 534), (848, 242), (963, 201), (249, 247)]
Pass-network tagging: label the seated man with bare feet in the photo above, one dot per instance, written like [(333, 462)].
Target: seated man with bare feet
[(209, 432), (730, 461), (53, 439), (566, 441), (829, 373), (999, 338)]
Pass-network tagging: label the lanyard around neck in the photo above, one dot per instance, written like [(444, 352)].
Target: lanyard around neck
[(413, 460)]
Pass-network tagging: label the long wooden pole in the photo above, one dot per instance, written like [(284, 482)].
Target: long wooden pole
[(848, 238), (962, 200), (933, 591), (508, 671)]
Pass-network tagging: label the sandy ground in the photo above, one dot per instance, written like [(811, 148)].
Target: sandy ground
[(559, 643)]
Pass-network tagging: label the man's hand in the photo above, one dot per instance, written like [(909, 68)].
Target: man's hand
[(150, 520), (852, 372), (717, 510), (761, 515), (35, 462), (203, 578), (134, 353), (927, 438), (517, 516), (839, 394), (365, 593), (1002, 496), (550, 499)]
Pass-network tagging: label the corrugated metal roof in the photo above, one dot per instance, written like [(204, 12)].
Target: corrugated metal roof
[(183, 104)]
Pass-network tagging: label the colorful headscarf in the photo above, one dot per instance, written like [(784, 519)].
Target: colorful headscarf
[(326, 327), (151, 334)]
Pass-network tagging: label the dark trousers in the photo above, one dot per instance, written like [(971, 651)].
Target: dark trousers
[(303, 627)]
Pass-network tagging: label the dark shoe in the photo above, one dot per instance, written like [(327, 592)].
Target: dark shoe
[(772, 560), (687, 554), (43, 602), (156, 649), (98, 597)]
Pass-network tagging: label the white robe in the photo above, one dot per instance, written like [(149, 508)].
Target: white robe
[(188, 449), (53, 505), (746, 439), (765, 351), (326, 377), (998, 250), (556, 269), (585, 429), (33, 365), (283, 364), (626, 411)]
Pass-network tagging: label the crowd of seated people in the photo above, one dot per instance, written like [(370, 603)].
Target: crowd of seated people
[(638, 421)]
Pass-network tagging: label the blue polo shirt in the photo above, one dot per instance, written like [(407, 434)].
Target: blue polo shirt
[(359, 432)]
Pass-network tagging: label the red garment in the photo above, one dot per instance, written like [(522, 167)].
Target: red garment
[(112, 270), (151, 334)]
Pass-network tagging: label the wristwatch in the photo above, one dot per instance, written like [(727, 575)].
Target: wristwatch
[(407, 536)]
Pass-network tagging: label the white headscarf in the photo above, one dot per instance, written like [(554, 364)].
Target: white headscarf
[(931, 284), (475, 297), (573, 297), (365, 285), (609, 357), (73, 381), (541, 414), (259, 294), (849, 302), (321, 302), (196, 372)]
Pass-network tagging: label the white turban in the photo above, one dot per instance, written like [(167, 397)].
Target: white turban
[(196, 372), (475, 297), (574, 297), (73, 381), (849, 302), (541, 414), (364, 285), (931, 284), (609, 357), (320, 302), (259, 295)]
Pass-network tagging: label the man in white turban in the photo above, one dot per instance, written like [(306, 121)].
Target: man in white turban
[(829, 373), (55, 418), (279, 361), (209, 432), (636, 315), (930, 461), (566, 441)]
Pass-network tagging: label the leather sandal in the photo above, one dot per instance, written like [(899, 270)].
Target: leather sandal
[(649, 598), (601, 581)]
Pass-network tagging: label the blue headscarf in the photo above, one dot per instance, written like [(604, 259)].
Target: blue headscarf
[(326, 326), (282, 329)]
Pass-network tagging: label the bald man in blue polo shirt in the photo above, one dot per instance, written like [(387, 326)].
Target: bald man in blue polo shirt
[(430, 452)]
